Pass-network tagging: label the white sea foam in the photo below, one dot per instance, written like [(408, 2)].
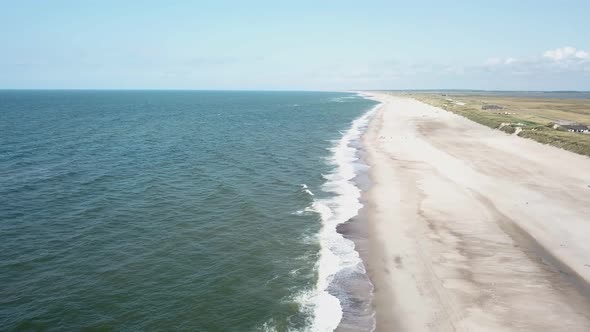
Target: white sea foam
[(344, 99), (337, 253), (305, 189)]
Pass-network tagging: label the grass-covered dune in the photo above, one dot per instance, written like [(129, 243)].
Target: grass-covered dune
[(533, 118)]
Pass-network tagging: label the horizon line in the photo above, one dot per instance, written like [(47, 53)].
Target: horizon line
[(282, 90)]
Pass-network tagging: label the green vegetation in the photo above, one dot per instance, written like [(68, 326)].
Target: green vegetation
[(508, 129), (578, 143), (534, 116)]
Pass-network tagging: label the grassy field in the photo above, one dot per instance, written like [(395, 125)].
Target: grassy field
[(533, 116)]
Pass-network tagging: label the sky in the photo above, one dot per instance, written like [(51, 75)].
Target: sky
[(295, 45)]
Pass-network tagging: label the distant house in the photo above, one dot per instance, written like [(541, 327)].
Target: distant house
[(577, 128), (492, 107)]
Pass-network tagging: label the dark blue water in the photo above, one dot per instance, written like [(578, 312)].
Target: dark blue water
[(166, 210)]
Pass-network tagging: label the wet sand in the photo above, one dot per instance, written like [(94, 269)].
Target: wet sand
[(472, 229)]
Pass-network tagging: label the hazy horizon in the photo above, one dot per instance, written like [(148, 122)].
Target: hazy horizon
[(286, 90)]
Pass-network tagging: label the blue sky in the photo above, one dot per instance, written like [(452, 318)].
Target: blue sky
[(324, 45)]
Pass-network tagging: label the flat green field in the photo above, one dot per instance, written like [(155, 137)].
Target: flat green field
[(532, 117)]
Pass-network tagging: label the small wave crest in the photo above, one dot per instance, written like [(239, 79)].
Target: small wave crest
[(306, 190), (344, 99)]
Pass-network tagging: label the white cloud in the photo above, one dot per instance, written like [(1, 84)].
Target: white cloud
[(562, 68), (565, 53), (500, 61), (508, 61), (582, 55)]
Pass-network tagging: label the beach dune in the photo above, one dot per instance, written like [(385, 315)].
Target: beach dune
[(472, 229)]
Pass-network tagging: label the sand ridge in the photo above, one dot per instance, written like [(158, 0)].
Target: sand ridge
[(471, 229)]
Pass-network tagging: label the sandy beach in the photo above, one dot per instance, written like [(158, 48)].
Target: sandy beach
[(472, 229)]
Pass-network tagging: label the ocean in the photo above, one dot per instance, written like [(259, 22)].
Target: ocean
[(180, 210)]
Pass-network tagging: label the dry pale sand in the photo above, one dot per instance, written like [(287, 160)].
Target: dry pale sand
[(471, 229)]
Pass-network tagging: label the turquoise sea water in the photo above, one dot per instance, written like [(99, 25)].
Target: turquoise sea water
[(177, 210)]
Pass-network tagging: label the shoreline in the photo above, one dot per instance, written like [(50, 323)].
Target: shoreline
[(355, 230), (342, 299), (469, 228)]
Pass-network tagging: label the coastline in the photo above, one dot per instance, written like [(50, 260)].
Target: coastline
[(342, 299), (470, 228)]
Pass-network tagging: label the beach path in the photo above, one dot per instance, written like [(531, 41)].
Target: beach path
[(471, 229)]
